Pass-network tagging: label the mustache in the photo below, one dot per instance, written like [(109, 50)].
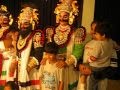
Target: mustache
[(64, 20)]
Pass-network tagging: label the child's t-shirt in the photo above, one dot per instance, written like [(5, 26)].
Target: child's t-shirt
[(50, 76), (101, 50)]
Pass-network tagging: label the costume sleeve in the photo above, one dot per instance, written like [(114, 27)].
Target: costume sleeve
[(37, 47), (78, 51), (78, 46), (38, 53)]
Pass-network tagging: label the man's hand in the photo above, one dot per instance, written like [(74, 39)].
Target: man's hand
[(61, 64)]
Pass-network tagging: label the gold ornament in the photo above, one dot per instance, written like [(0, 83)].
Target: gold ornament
[(69, 6), (3, 8), (61, 35), (31, 64), (21, 42), (30, 15), (4, 12)]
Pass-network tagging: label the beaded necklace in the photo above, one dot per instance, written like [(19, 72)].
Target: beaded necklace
[(61, 34)]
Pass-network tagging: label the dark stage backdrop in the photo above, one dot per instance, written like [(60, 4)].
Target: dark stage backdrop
[(46, 9), (109, 10)]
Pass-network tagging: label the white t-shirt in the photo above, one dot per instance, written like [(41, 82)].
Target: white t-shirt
[(50, 76), (101, 50)]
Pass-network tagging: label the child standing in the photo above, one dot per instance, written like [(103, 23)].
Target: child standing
[(51, 77)]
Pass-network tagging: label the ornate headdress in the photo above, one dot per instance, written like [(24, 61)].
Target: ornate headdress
[(30, 15), (69, 6), (4, 12)]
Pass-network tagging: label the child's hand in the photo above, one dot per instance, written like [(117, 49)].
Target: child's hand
[(85, 69)]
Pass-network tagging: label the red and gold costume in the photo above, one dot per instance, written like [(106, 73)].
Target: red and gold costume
[(69, 39), (7, 47), (30, 50)]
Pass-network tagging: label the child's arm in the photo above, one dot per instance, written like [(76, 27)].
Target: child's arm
[(92, 59), (60, 85)]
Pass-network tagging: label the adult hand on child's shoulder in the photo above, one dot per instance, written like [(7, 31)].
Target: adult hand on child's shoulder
[(61, 64), (43, 61)]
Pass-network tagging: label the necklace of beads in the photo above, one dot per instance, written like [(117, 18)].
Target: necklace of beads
[(61, 34), (21, 42)]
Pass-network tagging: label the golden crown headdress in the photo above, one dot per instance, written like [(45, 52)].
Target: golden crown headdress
[(4, 12), (69, 6), (30, 15)]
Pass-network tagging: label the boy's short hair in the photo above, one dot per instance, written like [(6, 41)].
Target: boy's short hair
[(104, 28), (51, 47)]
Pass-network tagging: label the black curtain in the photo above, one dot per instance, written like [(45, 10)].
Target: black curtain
[(108, 10), (13, 6), (47, 16), (46, 9)]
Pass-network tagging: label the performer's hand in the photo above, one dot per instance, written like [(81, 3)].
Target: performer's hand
[(43, 61), (85, 69), (29, 69), (61, 64)]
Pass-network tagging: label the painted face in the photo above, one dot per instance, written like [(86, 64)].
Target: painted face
[(64, 16), (25, 29), (4, 21), (24, 26)]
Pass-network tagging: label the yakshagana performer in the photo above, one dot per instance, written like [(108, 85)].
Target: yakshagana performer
[(30, 49), (8, 39), (69, 40)]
